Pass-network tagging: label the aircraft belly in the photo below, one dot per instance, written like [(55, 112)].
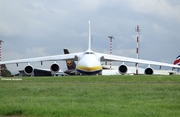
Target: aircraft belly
[(89, 69), (88, 72)]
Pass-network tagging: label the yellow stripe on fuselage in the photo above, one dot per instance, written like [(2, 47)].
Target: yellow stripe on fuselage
[(89, 69)]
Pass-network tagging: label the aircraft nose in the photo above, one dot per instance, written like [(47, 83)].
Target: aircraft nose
[(89, 63)]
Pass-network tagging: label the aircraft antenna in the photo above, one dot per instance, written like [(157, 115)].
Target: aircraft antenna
[(1, 41), (137, 29), (111, 38)]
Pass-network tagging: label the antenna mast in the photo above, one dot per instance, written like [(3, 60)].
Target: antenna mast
[(1, 41), (111, 38), (137, 29)]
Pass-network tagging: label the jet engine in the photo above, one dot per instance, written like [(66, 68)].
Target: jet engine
[(122, 69), (28, 70), (54, 67), (148, 71)]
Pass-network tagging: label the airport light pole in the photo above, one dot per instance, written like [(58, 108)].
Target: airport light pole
[(137, 29), (1, 41), (111, 38)]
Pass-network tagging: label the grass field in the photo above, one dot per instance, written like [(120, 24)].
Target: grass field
[(90, 96)]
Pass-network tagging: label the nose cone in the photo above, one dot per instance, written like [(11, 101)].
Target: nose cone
[(89, 64)]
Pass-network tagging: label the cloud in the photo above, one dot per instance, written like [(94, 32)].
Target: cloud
[(38, 28), (157, 8), (36, 51), (74, 33)]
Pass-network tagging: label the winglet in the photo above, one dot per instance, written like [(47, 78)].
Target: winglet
[(89, 43)]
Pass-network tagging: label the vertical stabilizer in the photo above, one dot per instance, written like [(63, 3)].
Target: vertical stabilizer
[(89, 43), (70, 63), (177, 61)]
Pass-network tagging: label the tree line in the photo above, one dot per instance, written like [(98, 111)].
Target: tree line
[(5, 72)]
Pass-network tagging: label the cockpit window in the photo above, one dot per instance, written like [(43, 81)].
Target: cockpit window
[(89, 53)]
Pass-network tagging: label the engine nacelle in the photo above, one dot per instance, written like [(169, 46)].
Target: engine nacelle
[(28, 70), (148, 71), (122, 69), (54, 67)]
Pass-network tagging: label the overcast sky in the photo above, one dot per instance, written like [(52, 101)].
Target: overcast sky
[(34, 28)]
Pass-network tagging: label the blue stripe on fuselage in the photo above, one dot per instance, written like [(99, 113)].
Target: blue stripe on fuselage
[(89, 73)]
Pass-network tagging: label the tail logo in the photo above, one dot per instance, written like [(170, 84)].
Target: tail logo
[(177, 61), (69, 62)]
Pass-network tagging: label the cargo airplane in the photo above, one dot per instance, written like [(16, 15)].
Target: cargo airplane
[(88, 62)]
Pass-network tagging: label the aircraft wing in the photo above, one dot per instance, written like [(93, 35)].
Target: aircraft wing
[(46, 58), (108, 57)]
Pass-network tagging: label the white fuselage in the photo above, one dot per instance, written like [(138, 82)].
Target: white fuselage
[(89, 64)]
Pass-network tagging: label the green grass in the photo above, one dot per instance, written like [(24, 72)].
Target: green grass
[(91, 96)]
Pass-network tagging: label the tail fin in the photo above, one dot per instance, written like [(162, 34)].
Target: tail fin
[(70, 63), (89, 43), (177, 61)]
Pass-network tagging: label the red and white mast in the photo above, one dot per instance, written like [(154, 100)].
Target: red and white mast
[(1, 41), (137, 29), (111, 38)]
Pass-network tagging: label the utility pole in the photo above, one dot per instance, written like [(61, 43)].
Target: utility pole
[(137, 29), (111, 38), (1, 41)]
